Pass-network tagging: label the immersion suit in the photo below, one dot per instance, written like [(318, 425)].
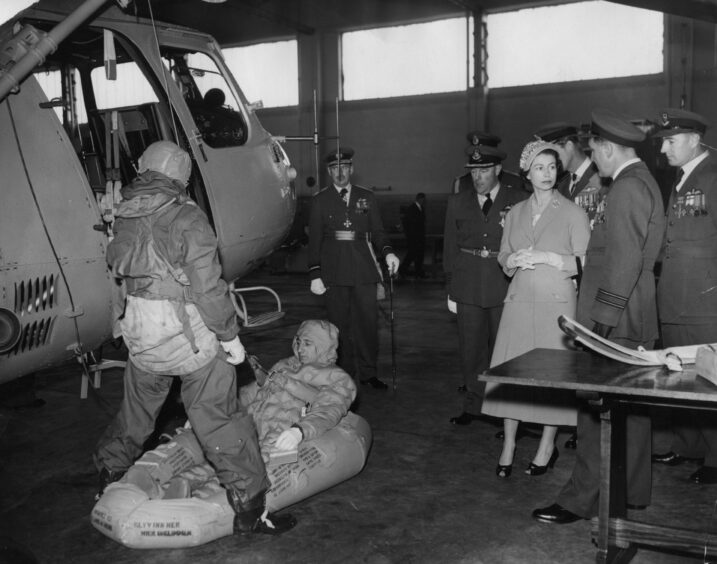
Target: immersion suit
[(176, 311), (312, 395)]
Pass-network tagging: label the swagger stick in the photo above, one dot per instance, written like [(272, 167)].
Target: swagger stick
[(393, 340)]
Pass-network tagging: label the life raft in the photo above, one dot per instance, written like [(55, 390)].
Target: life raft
[(171, 497)]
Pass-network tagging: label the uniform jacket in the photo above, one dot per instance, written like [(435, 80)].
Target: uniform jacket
[(687, 291), (562, 228), (473, 279), (589, 181), (618, 284), (345, 263), (157, 320), (315, 396)]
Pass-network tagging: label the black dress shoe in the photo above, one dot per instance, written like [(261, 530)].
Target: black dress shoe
[(462, 389), (673, 459), (464, 418), (705, 475), (572, 442), (555, 514), (520, 433), (375, 383)]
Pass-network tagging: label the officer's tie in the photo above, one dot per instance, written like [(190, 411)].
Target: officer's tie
[(573, 182), (678, 178), (487, 204), (344, 195)]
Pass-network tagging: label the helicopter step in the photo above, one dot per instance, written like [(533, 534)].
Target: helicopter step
[(241, 307)]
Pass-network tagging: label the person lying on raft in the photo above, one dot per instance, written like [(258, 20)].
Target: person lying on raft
[(303, 395)]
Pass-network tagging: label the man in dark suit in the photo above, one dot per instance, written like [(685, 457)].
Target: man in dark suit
[(686, 295), (414, 227), (344, 227), (464, 183), (476, 283), (617, 299)]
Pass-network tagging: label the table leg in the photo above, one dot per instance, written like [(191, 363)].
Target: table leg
[(613, 485)]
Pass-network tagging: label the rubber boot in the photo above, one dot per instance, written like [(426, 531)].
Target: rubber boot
[(253, 517), (106, 478)]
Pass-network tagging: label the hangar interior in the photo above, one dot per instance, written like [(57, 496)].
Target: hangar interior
[(428, 492)]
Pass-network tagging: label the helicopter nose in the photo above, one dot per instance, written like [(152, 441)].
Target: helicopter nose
[(10, 330)]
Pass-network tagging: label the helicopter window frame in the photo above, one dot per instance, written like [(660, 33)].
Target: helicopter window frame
[(216, 108)]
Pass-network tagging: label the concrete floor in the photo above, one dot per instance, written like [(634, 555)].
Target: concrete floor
[(428, 492)]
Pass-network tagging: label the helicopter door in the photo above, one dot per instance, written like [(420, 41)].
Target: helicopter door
[(53, 273)]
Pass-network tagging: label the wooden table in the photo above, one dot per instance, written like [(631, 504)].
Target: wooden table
[(609, 386)]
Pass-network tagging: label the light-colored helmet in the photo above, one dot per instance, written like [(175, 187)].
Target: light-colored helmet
[(169, 159)]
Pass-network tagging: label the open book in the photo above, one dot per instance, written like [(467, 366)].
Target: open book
[(673, 358)]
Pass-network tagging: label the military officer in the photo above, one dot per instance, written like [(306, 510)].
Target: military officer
[(686, 295), (464, 183), (476, 282), (344, 228), (617, 299)]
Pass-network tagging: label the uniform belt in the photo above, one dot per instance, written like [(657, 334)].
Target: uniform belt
[(346, 235), (482, 253)]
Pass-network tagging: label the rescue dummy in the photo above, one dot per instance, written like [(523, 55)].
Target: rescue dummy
[(304, 395), (178, 321)]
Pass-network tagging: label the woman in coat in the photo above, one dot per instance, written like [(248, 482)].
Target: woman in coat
[(543, 237)]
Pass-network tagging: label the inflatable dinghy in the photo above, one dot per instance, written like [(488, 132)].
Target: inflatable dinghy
[(171, 498)]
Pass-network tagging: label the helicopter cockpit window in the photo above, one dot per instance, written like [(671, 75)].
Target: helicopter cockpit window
[(209, 97)]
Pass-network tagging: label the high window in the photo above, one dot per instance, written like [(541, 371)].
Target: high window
[(406, 60), (580, 41), (266, 72)]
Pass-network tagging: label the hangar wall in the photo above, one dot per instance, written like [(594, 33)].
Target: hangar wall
[(417, 143)]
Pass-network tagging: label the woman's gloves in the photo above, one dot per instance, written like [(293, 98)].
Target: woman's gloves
[(289, 439), (235, 351), (526, 259)]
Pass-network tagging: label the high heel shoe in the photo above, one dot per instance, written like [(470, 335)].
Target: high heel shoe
[(504, 470), (535, 470)]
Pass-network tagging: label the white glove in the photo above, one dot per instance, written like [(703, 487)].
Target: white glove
[(520, 259), (317, 286), (392, 263), (545, 257), (235, 351), (452, 306), (289, 439)]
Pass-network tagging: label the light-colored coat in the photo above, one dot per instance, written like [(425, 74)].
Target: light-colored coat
[(535, 300)]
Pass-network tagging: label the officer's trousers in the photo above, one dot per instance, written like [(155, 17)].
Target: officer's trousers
[(354, 310)]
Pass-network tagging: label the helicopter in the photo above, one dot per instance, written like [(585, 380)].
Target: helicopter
[(68, 143)]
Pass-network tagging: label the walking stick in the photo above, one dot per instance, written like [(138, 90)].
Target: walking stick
[(393, 340)]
